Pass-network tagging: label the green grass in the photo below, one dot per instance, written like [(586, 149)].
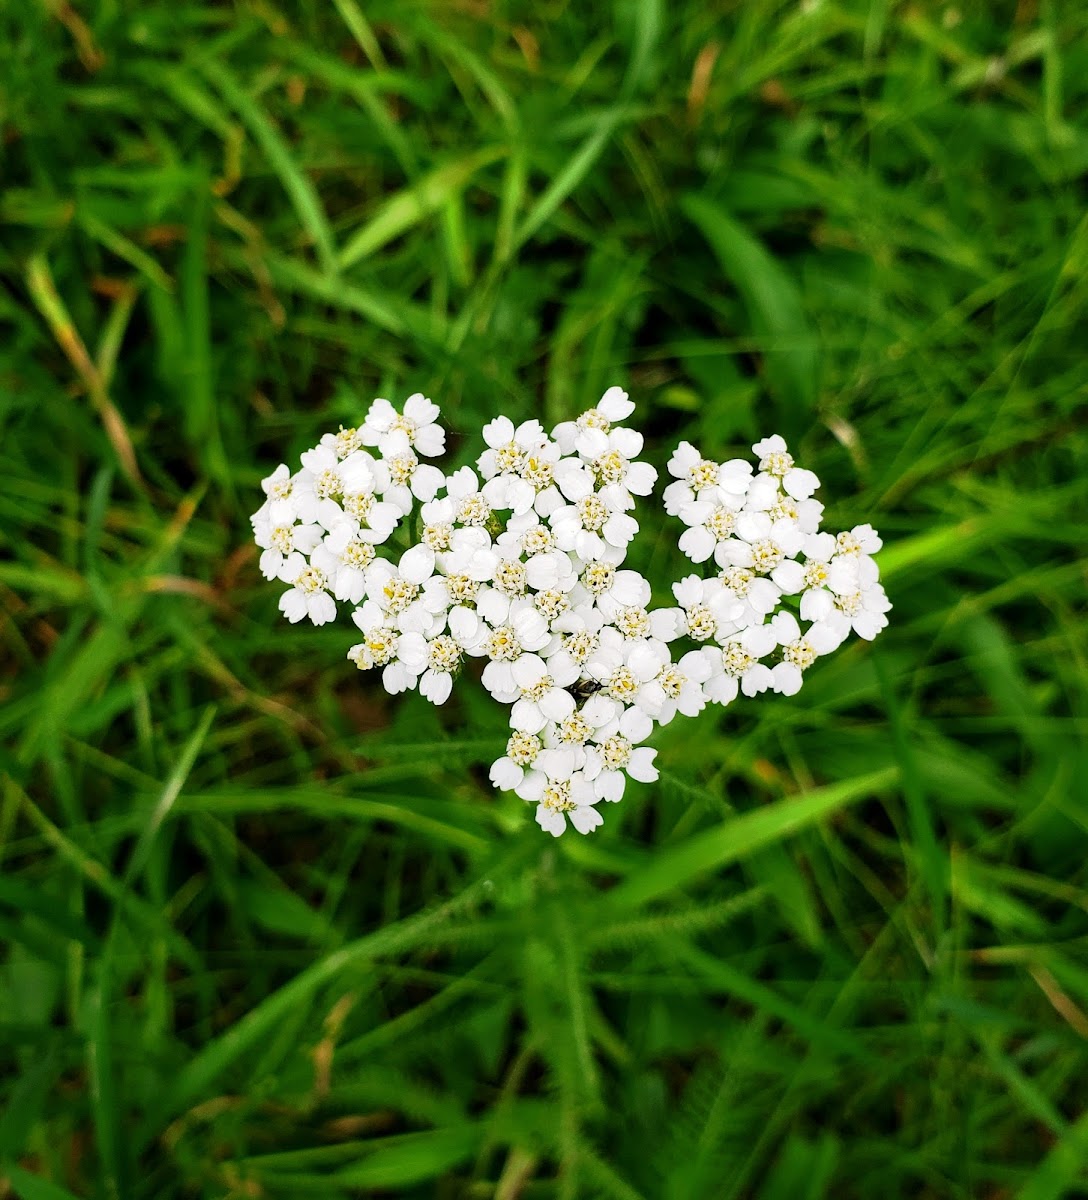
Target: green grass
[(268, 933)]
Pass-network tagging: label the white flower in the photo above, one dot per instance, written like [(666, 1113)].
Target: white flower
[(435, 660), (617, 755), (775, 459), (319, 482), (344, 442), (758, 596), (361, 514), (416, 423), (510, 771), (736, 666), (470, 506), (677, 687), (562, 799), (618, 478), (862, 539), (709, 524), (612, 589), (540, 483), (507, 445), (308, 596), (702, 479), (575, 647), (588, 435), (566, 739), (542, 695), (468, 552), (379, 648), (407, 476), (863, 611), (591, 525), (624, 668), (707, 607), (635, 623), (279, 507), (523, 631), (508, 584), (344, 557), (824, 575), (398, 591), (761, 543), (799, 651), (805, 514), (280, 541)]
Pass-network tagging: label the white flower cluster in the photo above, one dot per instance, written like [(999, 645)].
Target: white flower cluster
[(519, 564)]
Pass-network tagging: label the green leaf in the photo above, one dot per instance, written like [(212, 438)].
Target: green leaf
[(31, 1187), (734, 840), (409, 207), (298, 186), (773, 302)]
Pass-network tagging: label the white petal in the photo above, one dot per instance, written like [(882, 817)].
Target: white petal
[(585, 819), (505, 774), (697, 543), (550, 821), (293, 605), (641, 765)]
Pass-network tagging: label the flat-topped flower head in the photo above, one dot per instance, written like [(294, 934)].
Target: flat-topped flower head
[(520, 563)]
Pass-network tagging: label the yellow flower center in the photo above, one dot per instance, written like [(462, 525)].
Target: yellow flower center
[(737, 580), (800, 653), (399, 593), (610, 467), (311, 580), (443, 654), (766, 555), (503, 645), (616, 753), (523, 748), (593, 512), (702, 624), (598, 577), (328, 485), (358, 505)]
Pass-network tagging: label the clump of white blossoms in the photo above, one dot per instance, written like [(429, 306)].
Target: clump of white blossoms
[(519, 565)]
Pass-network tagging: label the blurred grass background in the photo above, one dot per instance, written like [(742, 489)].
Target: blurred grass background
[(270, 934)]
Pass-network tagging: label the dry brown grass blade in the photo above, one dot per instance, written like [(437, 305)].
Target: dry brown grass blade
[(48, 302)]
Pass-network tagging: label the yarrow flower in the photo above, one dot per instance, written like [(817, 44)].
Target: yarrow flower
[(519, 565)]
